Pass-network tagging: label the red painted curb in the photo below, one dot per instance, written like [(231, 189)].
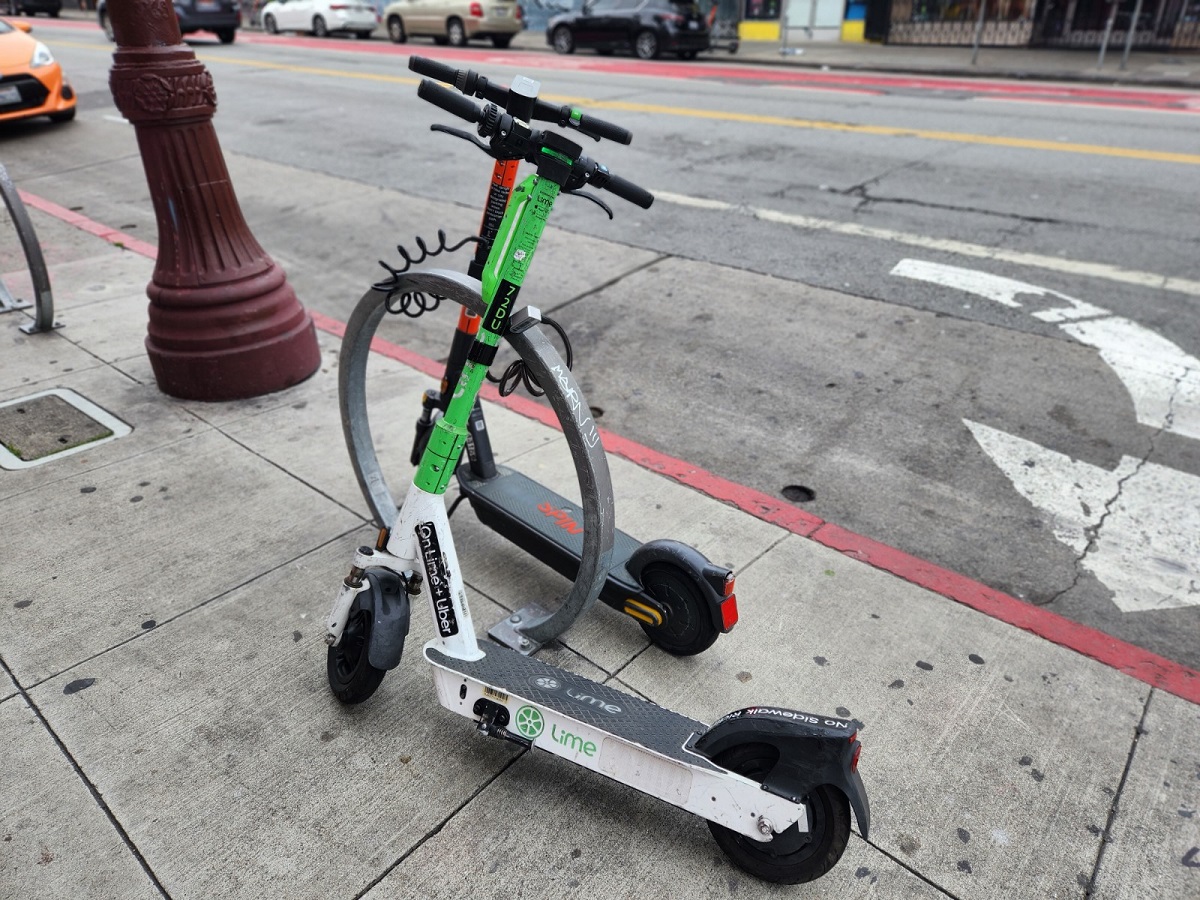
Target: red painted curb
[(1134, 661), (83, 223)]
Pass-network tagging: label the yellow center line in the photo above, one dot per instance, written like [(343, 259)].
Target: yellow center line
[(956, 137)]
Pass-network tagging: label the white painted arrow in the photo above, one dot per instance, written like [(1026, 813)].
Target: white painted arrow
[(1136, 528), (1162, 379), (1145, 518)]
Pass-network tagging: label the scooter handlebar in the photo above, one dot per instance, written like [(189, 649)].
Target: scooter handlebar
[(431, 68), (598, 128), (475, 85), (627, 190), (451, 102)]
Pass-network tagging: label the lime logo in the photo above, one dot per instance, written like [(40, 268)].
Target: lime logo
[(530, 722)]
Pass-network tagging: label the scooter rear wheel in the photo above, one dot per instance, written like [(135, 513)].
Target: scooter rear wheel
[(688, 628), (352, 678), (791, 857)]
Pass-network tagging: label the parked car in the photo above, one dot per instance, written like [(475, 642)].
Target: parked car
[(221, 17), (31, 82), (31, 7), (454, 21), (320, 17), (647, 27)]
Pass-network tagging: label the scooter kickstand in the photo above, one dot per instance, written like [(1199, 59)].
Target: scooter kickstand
[(492, 717)]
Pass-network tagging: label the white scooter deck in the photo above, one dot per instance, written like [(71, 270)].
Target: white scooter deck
[(624, 737)]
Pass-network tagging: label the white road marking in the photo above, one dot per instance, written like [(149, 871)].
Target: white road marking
[(1137, 527), (1147, 551), (1104, 271), (1162, 379)]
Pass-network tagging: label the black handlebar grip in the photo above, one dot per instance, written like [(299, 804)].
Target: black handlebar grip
[(627, 190), (451, 102), (431, 68), (599, 128)]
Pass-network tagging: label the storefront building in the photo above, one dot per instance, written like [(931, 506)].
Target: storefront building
[(1161, 24)]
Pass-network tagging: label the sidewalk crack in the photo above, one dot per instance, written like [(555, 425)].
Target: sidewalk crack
[(1115, 808), (97, 797)]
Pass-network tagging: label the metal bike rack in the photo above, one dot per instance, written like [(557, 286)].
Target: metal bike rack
[(44, 315), (531, 627)]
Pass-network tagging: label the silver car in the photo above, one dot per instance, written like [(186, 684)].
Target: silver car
[(320, 17), (453, 21)]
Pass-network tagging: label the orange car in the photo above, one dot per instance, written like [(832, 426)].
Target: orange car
[(31, 82)]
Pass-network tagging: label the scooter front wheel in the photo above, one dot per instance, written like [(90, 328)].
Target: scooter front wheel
[(792, 856), (688, 628), (352, 678)]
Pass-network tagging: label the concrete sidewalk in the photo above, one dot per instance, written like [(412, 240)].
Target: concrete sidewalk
[(166, 728)]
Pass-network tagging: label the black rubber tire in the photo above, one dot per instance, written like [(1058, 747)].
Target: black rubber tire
[(645, 45), (65, 116), (456, 33), (269, 25), (227, 35), (689, 627), (563, 40), (395, 30), (319, 28), (790, 857), (352, 678), (501, 41)]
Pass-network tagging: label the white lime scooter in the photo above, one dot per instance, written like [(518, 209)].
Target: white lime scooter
[(776, 785)]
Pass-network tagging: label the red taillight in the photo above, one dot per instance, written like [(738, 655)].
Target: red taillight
[(517, 12), (476, 10), (671, 18), (729, 613), (338, 6), (855, 753)]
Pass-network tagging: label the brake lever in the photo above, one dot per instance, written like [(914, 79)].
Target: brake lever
[(465, 135), (600, 203)]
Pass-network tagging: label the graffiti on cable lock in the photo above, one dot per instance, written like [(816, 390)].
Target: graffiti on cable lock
[(439, 581)]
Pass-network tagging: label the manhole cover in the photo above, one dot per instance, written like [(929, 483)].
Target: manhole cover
[(54, 423)]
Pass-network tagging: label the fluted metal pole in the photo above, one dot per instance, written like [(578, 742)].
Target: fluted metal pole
[(224, 322)]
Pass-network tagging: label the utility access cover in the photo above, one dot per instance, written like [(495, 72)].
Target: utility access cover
[(42, 427)]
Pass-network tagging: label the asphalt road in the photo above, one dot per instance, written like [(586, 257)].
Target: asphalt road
[(854, 338)]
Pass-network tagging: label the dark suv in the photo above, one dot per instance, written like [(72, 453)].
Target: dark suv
[(31, 7), (221, 17), (647, 27)]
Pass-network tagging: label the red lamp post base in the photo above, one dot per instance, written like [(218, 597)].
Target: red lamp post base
[(224, 323), (257, 344)]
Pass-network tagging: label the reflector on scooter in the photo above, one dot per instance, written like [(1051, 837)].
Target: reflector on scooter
[(729, 612)]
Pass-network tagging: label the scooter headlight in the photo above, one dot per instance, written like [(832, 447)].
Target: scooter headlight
[(41, 56)]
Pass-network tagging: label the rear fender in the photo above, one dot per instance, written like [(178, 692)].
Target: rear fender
[(708, 577), (813, 750), (387, 601)]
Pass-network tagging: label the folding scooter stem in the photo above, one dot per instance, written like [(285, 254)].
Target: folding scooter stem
[(542, 522)]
